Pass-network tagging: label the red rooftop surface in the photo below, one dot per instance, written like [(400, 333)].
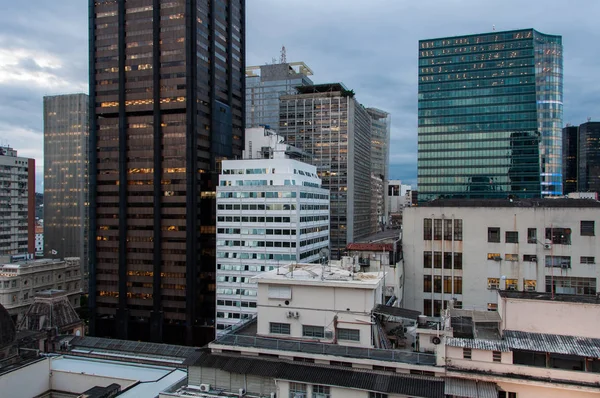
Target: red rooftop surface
[(370, 247)]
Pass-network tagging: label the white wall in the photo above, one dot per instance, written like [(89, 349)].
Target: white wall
[(317, 306), (475, 247), (554, 317), (26, 382)]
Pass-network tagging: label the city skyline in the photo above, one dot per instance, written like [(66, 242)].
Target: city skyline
[(380, 65)]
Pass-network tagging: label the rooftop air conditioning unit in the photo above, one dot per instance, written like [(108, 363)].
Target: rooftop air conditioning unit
[(547, 246), (205, 387)]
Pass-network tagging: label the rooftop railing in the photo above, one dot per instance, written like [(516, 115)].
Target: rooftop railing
[(327, 349)]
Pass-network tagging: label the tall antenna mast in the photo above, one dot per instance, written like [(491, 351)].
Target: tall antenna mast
[(282, 59)]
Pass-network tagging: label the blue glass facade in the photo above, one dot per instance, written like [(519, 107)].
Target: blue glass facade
[(490, 116)]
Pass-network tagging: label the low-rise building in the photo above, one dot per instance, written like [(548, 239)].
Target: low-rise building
[(21, 281), (463, 250), (538, 345)]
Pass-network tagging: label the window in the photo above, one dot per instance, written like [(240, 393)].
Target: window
[(437, 260), (494, 256), (447, 229), (492, 307), (321, 391), (458, 257), (571, 285), (427, 283), (531, 235), (342, 364), (447, 260), (511, 237), (427, 307), (497, 356), (279, 328), (280, 292), (504, 394), (458, 229), (512, 284), (297, 390), (427, 259), (466, 353), (587, 228), (530, 258), (313, 331), (494, 234), (559, 236), (377, 395), (437, 283), (458, 285), (511, 257), (558, 261), (529, 285), (427, 227), (447, 284), (493, 283), (587, 260), (348, 334), (437, 229)]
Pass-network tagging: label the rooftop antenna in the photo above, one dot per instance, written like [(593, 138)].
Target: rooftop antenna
[(494, 28), (282, 59)]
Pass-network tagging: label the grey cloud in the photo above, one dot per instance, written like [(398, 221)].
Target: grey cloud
[(371, 46)]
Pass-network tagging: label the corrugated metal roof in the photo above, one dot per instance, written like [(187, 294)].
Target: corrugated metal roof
[(470, 388), (478, 344), (370, 247), (416, 386), (553, 343), (397, 312)]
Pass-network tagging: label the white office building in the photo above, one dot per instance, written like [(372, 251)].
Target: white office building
[(467, 249), (271, 211)]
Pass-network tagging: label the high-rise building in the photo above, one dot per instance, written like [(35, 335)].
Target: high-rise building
[(265, 84), (17, 203), (490, 115), (570, 142), (327, 121), (269, 214), (380, 154), (167, 106), (588, 157), (66, 200)]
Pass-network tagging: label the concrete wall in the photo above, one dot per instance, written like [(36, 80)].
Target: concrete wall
[(28, 381), (317, 306), (475, 247), (553, 317)]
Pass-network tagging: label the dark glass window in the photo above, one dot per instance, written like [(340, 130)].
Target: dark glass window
[(531, 235), (447, 229), (426, 259), (559, 236), (458, 229), (427, 229), (437, 229), (587, 228), (494, 234), (512, 237), (427, 283)]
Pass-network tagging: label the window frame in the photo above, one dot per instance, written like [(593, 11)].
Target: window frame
[(587, 260), (348, 334), (321, 391), (492, 231), (514, 236), (587, 228), (313, 331), (467, 353), (298, 390), (281, 327)]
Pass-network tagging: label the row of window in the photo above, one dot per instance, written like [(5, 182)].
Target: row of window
[(256, 231), (450, 285), (252, 268), (450, 260), (255, 219), (315, 331), (256, 243), (550, 261), (435, 228), (556, 235), (237, 303), (258, 256), (268, 195)]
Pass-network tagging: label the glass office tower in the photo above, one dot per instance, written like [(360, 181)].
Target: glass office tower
[(166, 106), (570, 142), (588, 157), (490, 115), (265, 84), (66, 177)]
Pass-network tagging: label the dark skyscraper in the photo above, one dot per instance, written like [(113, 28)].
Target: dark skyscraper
[(570, 167), (167, 105), (490, 115), (588, 157), (66, 176)]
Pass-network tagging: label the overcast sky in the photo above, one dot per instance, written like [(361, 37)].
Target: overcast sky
[(371, 46)]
